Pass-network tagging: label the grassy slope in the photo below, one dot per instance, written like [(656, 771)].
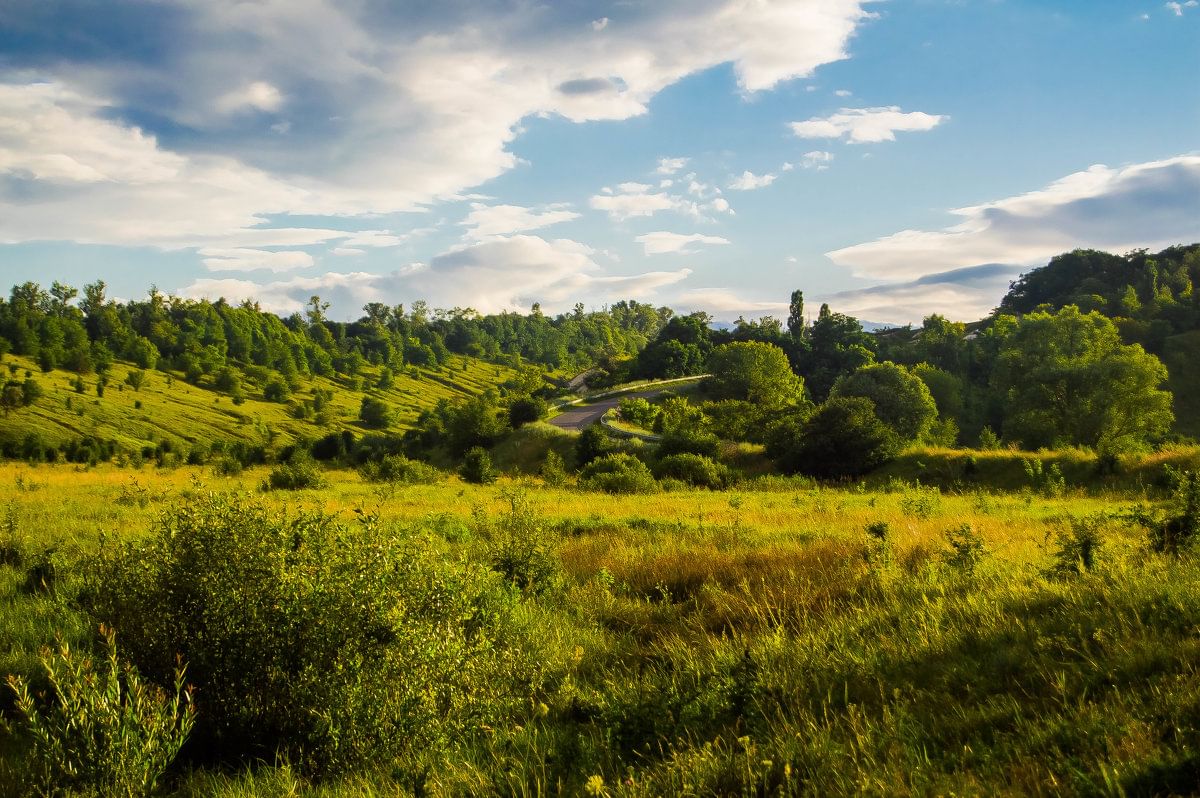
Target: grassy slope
[(190, 414)]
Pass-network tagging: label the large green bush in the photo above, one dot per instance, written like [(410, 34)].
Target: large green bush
[(842, 438), (335, 647), (618, 473), (694, 469)]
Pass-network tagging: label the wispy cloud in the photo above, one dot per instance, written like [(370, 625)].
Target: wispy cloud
[(866, 125), (748, 181), (663, 243), (1153, 205)]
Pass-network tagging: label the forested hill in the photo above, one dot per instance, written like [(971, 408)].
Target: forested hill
[(1153, 298), (1150, 296)]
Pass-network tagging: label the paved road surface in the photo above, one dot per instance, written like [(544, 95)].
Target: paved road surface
[(578, 417)]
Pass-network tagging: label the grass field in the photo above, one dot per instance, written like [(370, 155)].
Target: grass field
[(171, 409), (755, 642)]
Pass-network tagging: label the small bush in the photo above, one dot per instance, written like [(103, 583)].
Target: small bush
[(638, 411), (1176, 530), (553, 470), (1078, 543), (477, 467), (1048, 482), (966, 549), (921, 502), (618, 473), (276, 390), (526, 410), (521, 548), (397, 469), (299, 473), (699, 443), (105, 729), (695, 470)]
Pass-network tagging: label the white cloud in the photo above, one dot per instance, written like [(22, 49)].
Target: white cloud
[(727, 302), (787, 166), (374, 239), (258, 96), (216, 259), (669, 166), (632, 200), (816, 159), (960, 295), (387, 111), (663, 243), (720, 205), (600, 24), (499, 220), (843, 93), (866, 125), (1152, 205), (1177, 8), (499, 274), (748, 181)]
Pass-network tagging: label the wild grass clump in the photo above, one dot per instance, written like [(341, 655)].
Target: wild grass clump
[(337, 647), (102, 728), (520, 546)]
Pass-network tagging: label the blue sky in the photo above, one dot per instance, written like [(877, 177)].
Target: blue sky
[(892, 158)]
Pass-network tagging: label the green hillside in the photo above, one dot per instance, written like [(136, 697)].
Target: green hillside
[(171, 409)]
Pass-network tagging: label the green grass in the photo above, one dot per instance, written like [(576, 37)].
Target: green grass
[(174, 410), (747, 642)]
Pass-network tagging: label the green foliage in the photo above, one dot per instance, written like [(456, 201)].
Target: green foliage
[(520, 546), (966, 549), (276, 390), (678, 416), (399, 470), (1078, 542), (136, 379), (695, 470), (1068, 380), (638, 410), (689, 442), (1046, 481), (526, 410), (334, 647), (375, 413), (836, 344), (754, 372), (1176, 529), (842, 438), (594, 442), (104, 729), (988, 440), (553, 470), (902, 400), (477, 467), (300, 472), (618, 473)]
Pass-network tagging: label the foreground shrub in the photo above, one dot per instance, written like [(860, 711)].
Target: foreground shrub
[(618, 473), (703, 444), (334, 647), (104, 729), (520, 546), (696, 470)]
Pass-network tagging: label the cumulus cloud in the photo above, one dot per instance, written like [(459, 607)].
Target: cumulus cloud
[(387, 110), (866, 125), (748, 181), (663, 243), (502, 273), (1152, 205), (499, 220)]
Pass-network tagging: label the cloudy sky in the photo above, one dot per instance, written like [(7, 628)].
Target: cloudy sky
[(892, 158)]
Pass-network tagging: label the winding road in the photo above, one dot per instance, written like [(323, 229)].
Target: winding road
[(578, 417)]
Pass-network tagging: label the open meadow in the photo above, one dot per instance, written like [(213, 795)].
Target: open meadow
[(782, 639)]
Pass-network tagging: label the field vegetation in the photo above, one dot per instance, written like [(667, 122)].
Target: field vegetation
[(244, 555)]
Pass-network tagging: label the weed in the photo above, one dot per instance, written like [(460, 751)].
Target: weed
[(105, 728), (1078, 543), (966, 549)]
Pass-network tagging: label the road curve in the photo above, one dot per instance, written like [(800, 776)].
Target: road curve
[(578, 417)]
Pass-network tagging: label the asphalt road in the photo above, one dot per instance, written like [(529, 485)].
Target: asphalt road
[(578, 417)]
